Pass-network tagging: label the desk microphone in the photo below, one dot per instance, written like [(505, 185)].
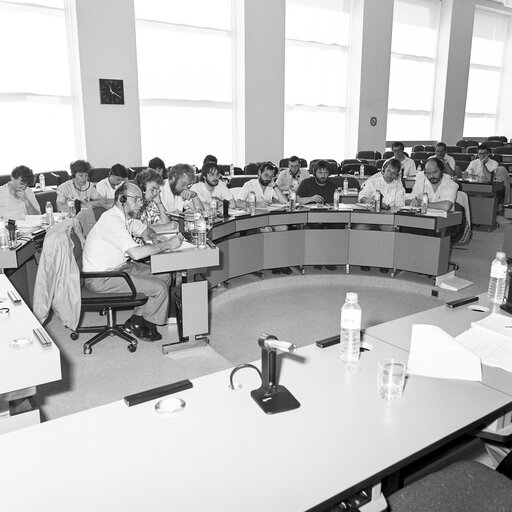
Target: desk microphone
[(284, 346)]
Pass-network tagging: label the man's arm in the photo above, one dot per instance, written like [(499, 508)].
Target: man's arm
[(281, 180), (303, 198), (486, 174), (190, 195), (140, 252), (441, 205), (278, 192)]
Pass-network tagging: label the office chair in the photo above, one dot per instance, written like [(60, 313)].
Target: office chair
[(494, 144), (420, 155), (499, 138), (369, 155), (380, 163), (430, 149), (464, 485), (98, 174), (472, 150), (333, 165), (53, 178), (284, 162), (224, 169), (352, 182), (357, 161), (369, 170), (453, 149), (43, 196), (461, 157), (417, 148)]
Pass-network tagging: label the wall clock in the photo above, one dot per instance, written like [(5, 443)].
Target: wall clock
[(111, 91)]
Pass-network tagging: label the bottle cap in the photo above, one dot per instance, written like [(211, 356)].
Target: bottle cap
[(500, 255), (351, 296)]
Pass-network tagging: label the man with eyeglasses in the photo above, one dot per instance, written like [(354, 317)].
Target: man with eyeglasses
[(16, 199), (407, 165), (387, 183), (176, 193), (110, 246), (441, 189), (485, 169)]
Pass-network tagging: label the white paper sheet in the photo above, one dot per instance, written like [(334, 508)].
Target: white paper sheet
[(434, 353), (492, 350), (500, 325)]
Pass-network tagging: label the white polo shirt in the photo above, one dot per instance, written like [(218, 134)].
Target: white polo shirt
[(409, 167), (261, 195), (13, 208), (104, 188), (221, 191), (446, 191), (109, 239), (171, 202), (393, 194), (475, 168)]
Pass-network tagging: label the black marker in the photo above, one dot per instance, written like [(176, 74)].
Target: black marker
[(461, 302)]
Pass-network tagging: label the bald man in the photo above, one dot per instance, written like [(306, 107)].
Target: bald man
[(110, 246)]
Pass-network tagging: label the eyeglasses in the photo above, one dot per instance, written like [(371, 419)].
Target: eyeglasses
[(138, 199)]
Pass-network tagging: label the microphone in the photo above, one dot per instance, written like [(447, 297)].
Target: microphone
[(284, 346)]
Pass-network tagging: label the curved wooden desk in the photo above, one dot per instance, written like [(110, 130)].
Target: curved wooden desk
[(325, 237)]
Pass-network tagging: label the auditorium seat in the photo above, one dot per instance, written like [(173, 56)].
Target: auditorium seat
[(453, 149), (98, 174), (369, 170), (357, 161), (284, 162), (369, 155), (499, 138), (333, 165)]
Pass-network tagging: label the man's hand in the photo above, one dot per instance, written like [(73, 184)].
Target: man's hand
[(317, 199), (171, 244), (415, 202), (188, 194), (157, 199), (20, 194)]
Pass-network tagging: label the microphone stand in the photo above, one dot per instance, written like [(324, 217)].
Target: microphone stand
[(272, 397)]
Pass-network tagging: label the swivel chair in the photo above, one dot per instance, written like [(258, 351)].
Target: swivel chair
[(369, 170), (464, 485)]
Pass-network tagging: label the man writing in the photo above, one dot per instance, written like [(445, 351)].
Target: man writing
[(175, 191), (441, 189), (387, 183), (110, 246), (292, 177), (319, 188)]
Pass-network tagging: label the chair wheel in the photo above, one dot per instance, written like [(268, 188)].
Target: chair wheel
[(74, 335), (87, 350), (132, 348)]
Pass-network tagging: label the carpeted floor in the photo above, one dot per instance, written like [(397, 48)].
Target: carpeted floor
[(298, 308)]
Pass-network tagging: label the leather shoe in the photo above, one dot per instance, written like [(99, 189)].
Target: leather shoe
[(365, 269), (286, 270), (330, 267), (140, 331), (276, 271), (153, 334)]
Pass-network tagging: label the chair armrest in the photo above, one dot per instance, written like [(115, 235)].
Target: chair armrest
[(112, 273)]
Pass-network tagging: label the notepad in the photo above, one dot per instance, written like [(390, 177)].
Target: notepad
[(451, 282)]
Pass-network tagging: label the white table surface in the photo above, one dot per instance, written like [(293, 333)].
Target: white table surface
[(23, 367), (454, 321), (223, 453)]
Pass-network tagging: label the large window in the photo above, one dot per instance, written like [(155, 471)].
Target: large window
[(36, 103), (184, 59), (317, 41), (489, 35), (412, 69)]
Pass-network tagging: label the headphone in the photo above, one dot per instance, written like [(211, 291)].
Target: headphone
[(122, 199)]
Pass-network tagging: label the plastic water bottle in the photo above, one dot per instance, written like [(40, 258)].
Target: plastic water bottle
[(201, 233), (4, 237), (42, 182), (377, 197), (71, 207), (293, 199), (251, 203), (424, 204), (231, 170), (350, 335), (336, 199), (212, 214), (50, 220), (498, 279), (295, 184), (345, 186), (361, 170)]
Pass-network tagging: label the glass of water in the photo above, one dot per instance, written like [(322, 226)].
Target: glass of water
[(391, 379)]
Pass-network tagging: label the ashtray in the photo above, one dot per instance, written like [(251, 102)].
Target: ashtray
[(20, 342), (170, 406)]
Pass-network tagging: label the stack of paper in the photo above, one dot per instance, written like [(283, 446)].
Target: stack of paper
[(434, 353), (491, 340), (451, 282)]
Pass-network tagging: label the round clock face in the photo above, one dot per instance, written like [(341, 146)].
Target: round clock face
[(111, 91)]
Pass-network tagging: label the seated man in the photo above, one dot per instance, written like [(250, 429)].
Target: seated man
[(293, 176), (387, 183), (78, 187), (264, 187), (448, 161), (407, 165), (212, 187), (16, 199), (484, 169), (116, 177), (441, 189), (319, 188), (110, 246), (175, 191)]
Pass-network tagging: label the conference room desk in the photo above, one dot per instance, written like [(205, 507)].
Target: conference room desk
[(454, 321), (328, 237), (483, 201), (22, 369), (222, 452)]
